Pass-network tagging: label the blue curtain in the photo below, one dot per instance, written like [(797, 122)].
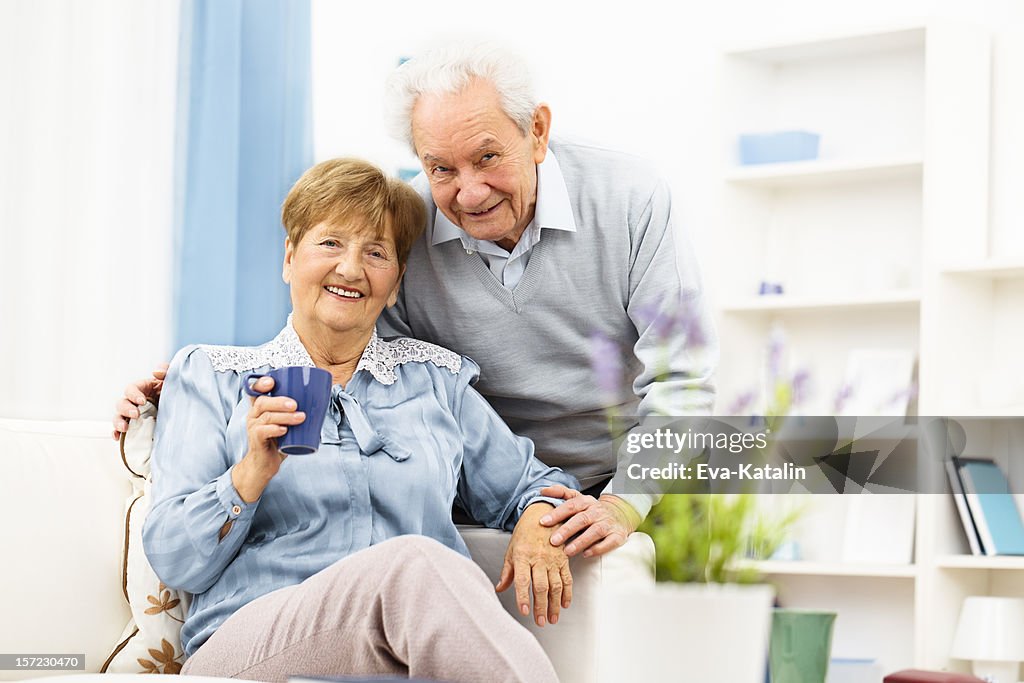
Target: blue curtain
[(244, 136)]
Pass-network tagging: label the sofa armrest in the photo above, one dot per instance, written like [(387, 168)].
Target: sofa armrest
[(62, 501), (571, 643)]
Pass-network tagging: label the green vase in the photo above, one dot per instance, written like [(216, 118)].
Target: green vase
[(801, 643)]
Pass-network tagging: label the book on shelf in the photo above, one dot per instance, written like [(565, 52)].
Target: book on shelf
[(960, 499), (992, 506)]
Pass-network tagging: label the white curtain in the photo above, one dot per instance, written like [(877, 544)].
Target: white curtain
[(87, 111)]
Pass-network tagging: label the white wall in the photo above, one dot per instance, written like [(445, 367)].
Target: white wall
[(641, 76), (86, 141), (87, 132), (638, 76)]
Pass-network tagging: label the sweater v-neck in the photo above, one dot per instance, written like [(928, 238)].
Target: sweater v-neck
[(514, 299)]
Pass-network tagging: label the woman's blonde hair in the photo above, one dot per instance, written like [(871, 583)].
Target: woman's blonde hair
[(347, 189)]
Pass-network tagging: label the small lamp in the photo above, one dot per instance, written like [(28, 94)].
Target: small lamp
[(990, 633)]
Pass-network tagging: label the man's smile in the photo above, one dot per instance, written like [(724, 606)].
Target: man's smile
[(482, 214)]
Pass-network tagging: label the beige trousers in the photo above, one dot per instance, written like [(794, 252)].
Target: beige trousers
[(407, 607)]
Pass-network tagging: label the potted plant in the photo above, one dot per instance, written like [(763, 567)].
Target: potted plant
[(708, 538), (708, 618)]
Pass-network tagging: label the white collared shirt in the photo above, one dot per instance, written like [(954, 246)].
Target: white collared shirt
[(553, 211)]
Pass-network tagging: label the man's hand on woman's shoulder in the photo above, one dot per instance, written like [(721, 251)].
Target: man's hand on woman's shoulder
[(137, 394), (603, 524)]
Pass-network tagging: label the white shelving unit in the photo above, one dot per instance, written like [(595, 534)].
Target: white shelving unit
[(971, 562), (816, 173), (989, 269), (832, 46), (882, 242), (794, 568), (811, 304)]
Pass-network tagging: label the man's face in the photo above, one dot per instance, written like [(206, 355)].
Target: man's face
[(482, 169)]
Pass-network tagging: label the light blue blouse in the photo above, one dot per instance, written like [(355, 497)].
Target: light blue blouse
[(405, 438)]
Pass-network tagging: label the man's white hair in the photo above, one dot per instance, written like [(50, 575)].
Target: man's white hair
[(449, 69)]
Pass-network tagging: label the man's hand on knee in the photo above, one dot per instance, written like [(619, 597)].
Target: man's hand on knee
[(602, 524), (531, 559)]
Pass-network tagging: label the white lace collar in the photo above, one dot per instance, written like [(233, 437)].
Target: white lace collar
[(380, 357)]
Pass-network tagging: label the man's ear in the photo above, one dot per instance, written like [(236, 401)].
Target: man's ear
[(540, 131), (393, 297), (286, 267)]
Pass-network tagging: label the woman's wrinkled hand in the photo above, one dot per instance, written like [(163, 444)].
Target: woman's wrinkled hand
[(531, 559), (268, 420)]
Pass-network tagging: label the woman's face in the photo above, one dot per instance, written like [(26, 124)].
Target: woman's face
[(341, 277)]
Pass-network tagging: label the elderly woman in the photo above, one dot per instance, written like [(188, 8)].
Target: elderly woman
[(346, 561)]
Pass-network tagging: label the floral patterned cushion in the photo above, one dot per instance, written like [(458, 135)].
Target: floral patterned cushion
[(151, 641)]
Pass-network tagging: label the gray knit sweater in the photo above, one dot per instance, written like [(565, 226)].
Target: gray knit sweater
[(624, 266)]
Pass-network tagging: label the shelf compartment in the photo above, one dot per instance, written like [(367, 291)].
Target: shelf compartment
[(817, 173), (783, 303)]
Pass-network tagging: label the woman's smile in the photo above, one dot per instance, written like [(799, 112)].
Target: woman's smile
[(344, 293)]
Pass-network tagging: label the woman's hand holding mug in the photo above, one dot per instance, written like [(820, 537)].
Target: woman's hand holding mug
[(269, 419), (301, 391)]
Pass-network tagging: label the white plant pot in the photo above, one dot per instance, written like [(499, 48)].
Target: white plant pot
[(699, 633)]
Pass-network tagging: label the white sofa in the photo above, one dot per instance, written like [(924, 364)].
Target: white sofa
[(63, 493)]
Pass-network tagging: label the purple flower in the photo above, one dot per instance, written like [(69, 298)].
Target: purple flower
[(784, 392), (901, 398), (606, 361), (741, 404), (665, 324), (691, 327), (842, 396), (799, 386), (659, 323), (776, 345)]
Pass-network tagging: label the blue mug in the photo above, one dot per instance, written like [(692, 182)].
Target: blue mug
[(310, 388)]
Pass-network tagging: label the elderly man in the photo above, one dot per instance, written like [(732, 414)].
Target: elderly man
[(534, 249)]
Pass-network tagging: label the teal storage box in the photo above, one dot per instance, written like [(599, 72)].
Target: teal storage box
[(774, 148)]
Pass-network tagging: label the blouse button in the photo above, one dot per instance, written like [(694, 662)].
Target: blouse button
[(236, 510)]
